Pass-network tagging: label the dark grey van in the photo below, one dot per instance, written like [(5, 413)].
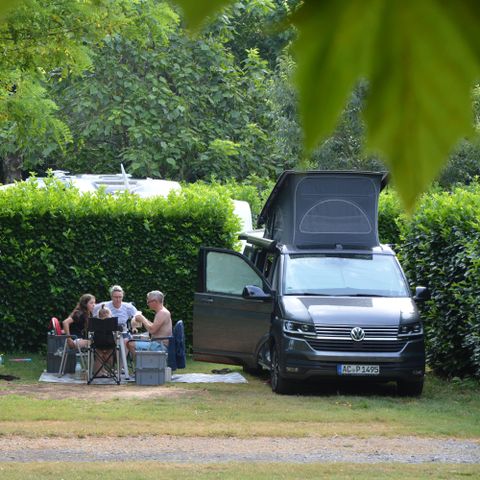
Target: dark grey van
[(318, 296)]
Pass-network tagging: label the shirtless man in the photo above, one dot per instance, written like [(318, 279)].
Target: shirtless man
[(160, 327)]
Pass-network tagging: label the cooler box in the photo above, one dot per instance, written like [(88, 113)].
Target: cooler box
[(150, 368), (150, 376)]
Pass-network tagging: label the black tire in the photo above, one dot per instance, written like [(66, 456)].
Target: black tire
[(409, 388), (278, 383)]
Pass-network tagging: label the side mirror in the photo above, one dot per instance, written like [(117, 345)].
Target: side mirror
[(254, 292), (422, 294)]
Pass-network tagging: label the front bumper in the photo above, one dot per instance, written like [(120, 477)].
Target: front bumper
[(298, 360)]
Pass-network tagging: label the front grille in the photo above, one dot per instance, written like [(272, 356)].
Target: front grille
[(343, 331), (336, 338), (351, 346)]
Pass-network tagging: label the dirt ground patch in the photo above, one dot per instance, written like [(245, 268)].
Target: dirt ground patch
[(265, 449), (99, 393)]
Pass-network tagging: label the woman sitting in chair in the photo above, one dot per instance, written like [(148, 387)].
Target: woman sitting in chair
[(77, 322)]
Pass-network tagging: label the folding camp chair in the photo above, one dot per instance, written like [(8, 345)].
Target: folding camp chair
[(62, 349), (55, 327), (104, 349), (67, 350)]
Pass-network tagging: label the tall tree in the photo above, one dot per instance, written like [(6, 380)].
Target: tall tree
[(169, 106), (342, 150), (42, 41)]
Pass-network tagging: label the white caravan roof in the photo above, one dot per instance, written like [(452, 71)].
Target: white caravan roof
[(144, 188)]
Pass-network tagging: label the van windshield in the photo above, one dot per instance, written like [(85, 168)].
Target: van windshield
[(344, 275)]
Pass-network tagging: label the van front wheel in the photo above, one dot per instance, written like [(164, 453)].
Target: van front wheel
[(278, 382)]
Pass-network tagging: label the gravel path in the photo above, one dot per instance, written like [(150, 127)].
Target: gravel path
[(216, 450)]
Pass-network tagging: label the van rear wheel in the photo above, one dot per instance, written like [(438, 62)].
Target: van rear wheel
[(278, 382)]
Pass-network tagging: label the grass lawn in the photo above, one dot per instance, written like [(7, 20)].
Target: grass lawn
[(153, 471), (245, 410), (446, 409)]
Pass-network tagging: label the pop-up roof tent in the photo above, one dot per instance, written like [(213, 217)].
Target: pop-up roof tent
[(324, 209)]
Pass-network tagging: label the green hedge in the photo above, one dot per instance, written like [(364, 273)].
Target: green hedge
[(253, 189), (390, 218), (440, 249), (56, 245)]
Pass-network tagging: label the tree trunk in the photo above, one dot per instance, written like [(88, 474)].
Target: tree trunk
[(11, 168)]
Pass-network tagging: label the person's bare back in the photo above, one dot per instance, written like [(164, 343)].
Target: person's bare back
[(162, 324)]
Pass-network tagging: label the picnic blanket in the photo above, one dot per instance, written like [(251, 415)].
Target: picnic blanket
[(233, 377)]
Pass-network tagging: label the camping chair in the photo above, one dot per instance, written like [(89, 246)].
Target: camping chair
[(58, 333), (104, 351), (66, 351), (55, 326)]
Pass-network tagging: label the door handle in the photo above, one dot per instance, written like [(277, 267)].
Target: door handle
[(206, 300)]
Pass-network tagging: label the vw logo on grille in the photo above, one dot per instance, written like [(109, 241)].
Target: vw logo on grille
[(357, 334)]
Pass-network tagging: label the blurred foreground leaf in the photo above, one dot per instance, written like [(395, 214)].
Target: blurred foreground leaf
[(421, 59), (5, 5), (197, 11)]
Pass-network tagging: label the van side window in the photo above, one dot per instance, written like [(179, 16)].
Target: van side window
[(227, 273), (269, 266)]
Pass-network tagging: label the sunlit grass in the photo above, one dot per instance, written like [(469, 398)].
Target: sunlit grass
[(245, 410), (247, 471)]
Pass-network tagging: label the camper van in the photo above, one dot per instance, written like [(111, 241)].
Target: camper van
[(317, 296)]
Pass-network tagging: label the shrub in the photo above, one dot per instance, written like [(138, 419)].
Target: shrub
[(390, 215), (56, 244), (441, 250), (254, 190)]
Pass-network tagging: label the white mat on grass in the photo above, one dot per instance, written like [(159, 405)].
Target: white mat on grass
[(233, 377), (70, 378)]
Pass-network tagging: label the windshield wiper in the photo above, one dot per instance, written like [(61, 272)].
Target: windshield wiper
[(309, 294), (363, 295)]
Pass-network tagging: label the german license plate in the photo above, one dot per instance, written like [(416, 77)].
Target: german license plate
[(358, 369)]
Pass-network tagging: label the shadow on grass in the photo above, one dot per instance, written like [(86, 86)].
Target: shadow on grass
[(350, 387)]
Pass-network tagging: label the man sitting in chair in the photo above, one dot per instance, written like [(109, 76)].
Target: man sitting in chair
[(160, 327)]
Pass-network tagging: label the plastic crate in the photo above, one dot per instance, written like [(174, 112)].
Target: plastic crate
[(155, 360), (150, 376)]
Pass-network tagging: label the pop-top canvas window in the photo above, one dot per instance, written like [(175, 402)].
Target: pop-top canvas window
[(335, 216), (321, 209)]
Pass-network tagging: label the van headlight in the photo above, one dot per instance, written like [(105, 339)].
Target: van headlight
[(410, 329), (297, 328)]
